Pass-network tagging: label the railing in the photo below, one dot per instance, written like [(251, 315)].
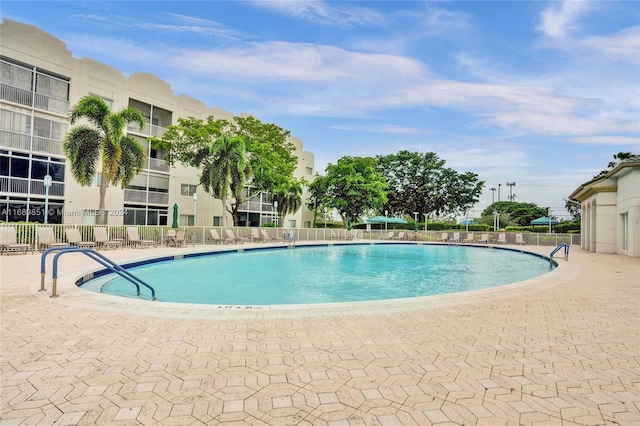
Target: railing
[(18, 96), (557, 249), (21, 141), (56, 190), (15, 140), (137, 196), (21, 186), (147, 130), (100, 258), (158, 165), (35, 100), (200, 234), (50, 146)]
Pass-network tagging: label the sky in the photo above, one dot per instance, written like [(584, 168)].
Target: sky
[(538, 93)]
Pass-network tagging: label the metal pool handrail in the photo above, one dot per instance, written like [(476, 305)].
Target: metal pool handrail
[(560, 246), (98, 257)]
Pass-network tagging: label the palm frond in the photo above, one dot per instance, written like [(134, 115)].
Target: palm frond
[(82, 148), (92, 108), (132, 161)]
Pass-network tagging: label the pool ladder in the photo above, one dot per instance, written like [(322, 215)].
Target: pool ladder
[(557, 249), (98, 257)]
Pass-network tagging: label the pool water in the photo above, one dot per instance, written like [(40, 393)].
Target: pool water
[(327, 274)]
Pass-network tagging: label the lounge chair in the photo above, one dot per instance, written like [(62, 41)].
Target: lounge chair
[(75, 239), (255, 237), (170, 238), (351, 235), (232, 237), (484, 239), (265, 236), (47, 239), (9, 241), (520, 239), (101, 236), (400, 236), (445, 237), (134, 238), (502, 238), (215, 236), (334, 236), (389, 236), (469, 238), (455, 238), (181, 238)]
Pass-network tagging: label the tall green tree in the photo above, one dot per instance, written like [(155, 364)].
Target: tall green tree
[(515, 213), (214, 146), (290, 199), (352, 186), (420, 182), (225, 171), (103, 141)]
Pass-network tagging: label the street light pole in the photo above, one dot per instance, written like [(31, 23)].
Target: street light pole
[(195, 209), (511, 185), (415, 215), (493, 195), (386, 213), (275, 212), (47, 185)]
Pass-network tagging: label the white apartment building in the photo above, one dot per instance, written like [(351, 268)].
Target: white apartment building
[(40, 81)]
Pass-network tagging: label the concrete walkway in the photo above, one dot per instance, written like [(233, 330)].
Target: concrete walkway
[(561, 349)]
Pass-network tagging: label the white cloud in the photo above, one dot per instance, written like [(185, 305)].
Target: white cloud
[(623, 46), (561, 18), (323, 13)]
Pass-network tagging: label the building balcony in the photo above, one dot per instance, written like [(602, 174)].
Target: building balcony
[(159, 165), (25, 186), (148, 130), (23, 142), (145, 197), (33, 100)]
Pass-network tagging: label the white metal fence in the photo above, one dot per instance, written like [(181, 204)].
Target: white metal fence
[(26, 233)]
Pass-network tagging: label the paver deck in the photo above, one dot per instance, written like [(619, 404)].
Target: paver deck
[(561, 349)]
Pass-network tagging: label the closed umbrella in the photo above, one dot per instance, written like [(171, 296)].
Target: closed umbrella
[(348, 224), (174, 224)]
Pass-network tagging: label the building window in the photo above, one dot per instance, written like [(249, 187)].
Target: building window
[(186, 220), (217, 221), (309, 171), (187, 189), (292, 223), (624, 231)]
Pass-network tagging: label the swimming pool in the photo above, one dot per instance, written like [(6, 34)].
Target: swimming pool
[(326, 274)]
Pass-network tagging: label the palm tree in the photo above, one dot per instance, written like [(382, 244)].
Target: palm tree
[(226, 172), (122, 156), (290, 200)]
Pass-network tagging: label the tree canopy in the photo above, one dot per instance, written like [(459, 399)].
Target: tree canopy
[(421, 183), (103, 139), (515, 213), (234, 154), (352, 186)]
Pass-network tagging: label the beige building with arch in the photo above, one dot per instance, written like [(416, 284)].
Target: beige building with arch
[(610, 210), (40, 81)]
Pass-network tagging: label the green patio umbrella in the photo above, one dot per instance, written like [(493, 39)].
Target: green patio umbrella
[(174, 224), (348, 224), (383, 219), (544, 221)]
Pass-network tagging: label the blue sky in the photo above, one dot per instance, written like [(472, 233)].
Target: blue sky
[(538, 93)]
